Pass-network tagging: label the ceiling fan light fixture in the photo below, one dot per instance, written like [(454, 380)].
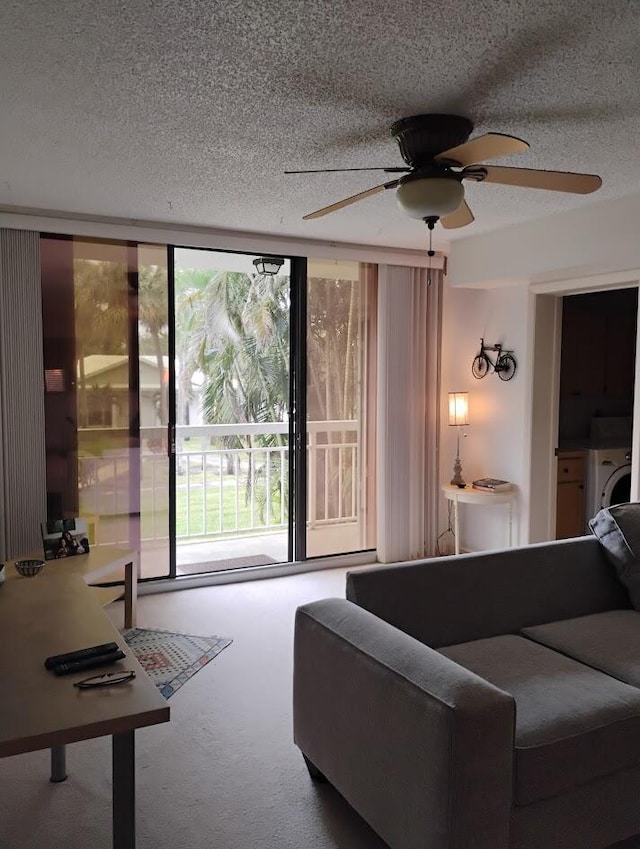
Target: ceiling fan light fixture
[(268, 264), (430, 197)]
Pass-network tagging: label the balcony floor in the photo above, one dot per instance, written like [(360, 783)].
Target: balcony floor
[(224, 553)]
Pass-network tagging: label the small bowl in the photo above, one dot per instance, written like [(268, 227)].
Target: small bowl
[(28, 568)]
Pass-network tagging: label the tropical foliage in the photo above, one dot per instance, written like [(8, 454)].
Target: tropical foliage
[(232, 333)]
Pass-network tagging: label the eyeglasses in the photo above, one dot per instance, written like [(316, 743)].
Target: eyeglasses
[(107, 679)]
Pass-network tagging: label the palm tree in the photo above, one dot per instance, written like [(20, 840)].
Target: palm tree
[(234, 329), (101, 312), (189, 335), (153, 303), (334, 354), (238, 337), (246, 357)]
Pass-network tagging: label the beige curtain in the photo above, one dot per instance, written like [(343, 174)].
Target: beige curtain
[(409, 329), (22, 451)]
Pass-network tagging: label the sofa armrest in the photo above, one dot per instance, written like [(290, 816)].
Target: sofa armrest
[(419, 746)]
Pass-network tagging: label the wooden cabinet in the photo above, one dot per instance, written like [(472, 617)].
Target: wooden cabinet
[(598, 344), (582, 373), (570, 494)]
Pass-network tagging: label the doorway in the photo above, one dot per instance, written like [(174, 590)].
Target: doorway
[(232, 411), (545, 399), (596, 399)]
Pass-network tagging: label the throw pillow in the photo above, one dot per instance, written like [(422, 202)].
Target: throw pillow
[(618, 529)]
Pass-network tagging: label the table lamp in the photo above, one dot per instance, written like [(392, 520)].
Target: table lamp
[(458, 417)]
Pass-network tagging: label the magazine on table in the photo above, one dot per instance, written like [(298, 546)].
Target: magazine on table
[(491, 484), (64, 538)]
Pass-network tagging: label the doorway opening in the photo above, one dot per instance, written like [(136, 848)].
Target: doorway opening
[(232, 447), (596, 401)]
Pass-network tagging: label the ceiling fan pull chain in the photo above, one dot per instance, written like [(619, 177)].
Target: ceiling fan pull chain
[(430, 253)]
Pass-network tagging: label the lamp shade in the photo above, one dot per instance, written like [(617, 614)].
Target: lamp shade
[(430, 197), (458, 408), (268, 264)]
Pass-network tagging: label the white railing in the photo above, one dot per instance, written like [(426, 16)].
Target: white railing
[(220, 490)]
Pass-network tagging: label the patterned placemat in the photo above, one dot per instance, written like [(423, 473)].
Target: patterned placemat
[(169, 658)]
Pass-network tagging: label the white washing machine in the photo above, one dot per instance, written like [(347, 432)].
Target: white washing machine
[(608, 478)]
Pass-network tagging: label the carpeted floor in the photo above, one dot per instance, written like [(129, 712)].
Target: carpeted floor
[(169, 658), (224, 771)]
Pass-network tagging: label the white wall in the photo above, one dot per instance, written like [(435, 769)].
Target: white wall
[(598, 238), (544, 416), (498, 437), (589, 249)]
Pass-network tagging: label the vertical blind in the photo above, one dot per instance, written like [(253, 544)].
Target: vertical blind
[(409, 326), (22, 450)]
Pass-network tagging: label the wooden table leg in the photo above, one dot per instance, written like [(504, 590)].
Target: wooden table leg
[(124, 791), (130, 592), (456, 526)]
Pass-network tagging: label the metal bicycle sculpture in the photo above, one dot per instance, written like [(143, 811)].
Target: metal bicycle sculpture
[(504, 365)]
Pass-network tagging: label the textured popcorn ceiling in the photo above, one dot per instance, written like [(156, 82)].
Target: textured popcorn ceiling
[(189, 111)]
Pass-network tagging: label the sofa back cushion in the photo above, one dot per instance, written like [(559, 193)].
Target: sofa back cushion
[(618, 529), (448, 600)]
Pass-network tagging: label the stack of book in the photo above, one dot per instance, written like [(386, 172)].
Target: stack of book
[(491, 485)]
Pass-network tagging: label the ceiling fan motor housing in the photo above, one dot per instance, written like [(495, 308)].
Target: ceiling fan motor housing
[(421, 137)]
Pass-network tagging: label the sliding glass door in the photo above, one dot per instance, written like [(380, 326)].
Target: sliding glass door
[(209, 410), (232, 413), (107, 373), (340, 426)]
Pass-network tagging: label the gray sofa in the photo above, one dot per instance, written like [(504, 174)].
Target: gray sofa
[(485, 701)]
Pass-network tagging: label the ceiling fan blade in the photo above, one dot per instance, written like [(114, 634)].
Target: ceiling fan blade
[(460, 218), (488, 146), (348, 201), (532, 178), (337, 170)]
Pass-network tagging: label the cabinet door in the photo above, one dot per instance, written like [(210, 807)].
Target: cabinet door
[(620, 355), (570, 510), (582, 372)]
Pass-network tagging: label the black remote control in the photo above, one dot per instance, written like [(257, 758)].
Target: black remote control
[(88, 663), (80, 654)]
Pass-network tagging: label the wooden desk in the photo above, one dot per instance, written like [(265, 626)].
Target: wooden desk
[(38, 710), (100, 562), (469, 495)]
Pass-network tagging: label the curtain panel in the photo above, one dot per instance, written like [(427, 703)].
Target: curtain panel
[(22, 451), (409, 336)]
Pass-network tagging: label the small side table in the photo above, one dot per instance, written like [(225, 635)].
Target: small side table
[(469, 495)]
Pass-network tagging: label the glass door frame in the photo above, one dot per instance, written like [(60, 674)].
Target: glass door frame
[(297, 471), (171, 407), (298, 411)]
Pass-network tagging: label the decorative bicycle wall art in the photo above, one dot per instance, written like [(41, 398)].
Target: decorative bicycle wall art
[(504, 365)]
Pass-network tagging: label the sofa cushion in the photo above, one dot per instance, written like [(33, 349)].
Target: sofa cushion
[(618, 529), (573, 723), (607, 641)]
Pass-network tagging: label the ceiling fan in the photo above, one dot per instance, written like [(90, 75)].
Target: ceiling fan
[(439, 157)]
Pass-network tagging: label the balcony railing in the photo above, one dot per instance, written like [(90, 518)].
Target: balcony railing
[(222, 489)]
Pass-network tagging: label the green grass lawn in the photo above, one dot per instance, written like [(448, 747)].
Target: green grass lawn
[(223, 512), (228, 504)]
